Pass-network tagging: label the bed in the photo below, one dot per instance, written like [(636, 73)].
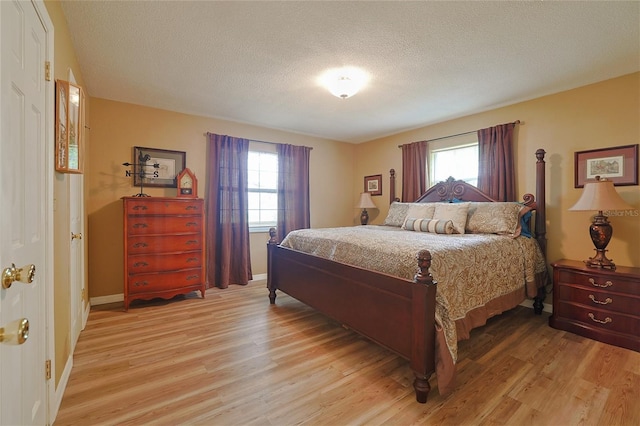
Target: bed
[(411, 299)]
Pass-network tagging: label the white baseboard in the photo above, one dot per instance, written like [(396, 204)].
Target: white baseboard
[(103, 300), (62, 386), (113, 298)]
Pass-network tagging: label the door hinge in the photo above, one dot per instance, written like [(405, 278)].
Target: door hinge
[(47, 71), (47, 369)]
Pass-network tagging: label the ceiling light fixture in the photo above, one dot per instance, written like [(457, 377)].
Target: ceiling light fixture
[(344, 82)]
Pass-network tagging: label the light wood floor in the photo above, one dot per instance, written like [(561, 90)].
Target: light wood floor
[(232, 359)]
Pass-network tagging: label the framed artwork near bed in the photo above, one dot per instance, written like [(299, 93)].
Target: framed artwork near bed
[(618, 164), (373, 184)]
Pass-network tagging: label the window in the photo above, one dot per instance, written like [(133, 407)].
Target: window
[(460, 161), (262, 190)]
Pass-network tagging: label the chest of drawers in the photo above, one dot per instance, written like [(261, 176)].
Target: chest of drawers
[(163, 247), (600, 304)]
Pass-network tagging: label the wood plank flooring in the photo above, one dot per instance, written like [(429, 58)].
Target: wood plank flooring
[(233, 359)]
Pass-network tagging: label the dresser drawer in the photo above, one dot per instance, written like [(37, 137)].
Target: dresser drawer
[(163, 262), (141, 225), (142, 244), (606, 300), (163, 207), (598, 318), (600, 281), (145, 283)]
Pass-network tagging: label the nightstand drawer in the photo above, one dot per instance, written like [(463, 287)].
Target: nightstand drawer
[(599, 318), (605, 300), (600, 281)]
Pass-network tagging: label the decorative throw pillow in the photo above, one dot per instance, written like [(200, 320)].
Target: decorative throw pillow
[(421, 210), (503, 218), (397, 214), (455, 212), (428, 225)]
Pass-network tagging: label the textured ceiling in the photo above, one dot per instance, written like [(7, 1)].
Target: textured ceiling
[(258, 62)]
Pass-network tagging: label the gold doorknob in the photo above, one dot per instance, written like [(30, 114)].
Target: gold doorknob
[(15, 333), (76, 236), (26, 274)]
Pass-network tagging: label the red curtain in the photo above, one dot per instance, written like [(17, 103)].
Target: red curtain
[(414, 170), (228, 258), (293, 188), (496, 171)]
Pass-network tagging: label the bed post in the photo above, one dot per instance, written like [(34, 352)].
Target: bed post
[(424, 327), (541, 223), (271, 246), (392, 186)]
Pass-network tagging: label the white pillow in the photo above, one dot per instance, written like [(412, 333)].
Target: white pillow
[(455, 212)]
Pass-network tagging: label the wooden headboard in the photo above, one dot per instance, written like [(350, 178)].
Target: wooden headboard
[(460, 190)]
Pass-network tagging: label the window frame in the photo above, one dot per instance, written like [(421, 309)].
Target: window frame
[(462, 141), (262, 148)]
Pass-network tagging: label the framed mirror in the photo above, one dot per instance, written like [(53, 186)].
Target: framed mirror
[(69, 148)]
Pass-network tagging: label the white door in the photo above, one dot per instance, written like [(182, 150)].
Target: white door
[(76, 273), (24, 193)]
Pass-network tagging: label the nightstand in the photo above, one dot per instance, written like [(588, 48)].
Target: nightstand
[(597, 303)]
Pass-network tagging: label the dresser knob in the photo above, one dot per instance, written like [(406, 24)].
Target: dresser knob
[(594, 319), (606, 301), (605, 285)]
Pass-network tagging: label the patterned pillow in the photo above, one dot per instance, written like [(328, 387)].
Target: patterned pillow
[(501, 218), (421, 210), (455, 212), (428, 225), (397, 214)]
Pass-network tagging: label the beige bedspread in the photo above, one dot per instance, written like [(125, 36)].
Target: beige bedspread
[(471, 269)]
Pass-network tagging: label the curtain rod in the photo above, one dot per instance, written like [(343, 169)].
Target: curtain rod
[(256, 140), (460, 134)]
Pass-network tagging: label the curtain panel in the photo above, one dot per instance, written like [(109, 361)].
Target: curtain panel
[(293, 189), (414, 170), (227, 232), (496, 168)]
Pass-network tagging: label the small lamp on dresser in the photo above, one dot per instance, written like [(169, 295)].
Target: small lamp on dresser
[(600, 196), (365, 203)]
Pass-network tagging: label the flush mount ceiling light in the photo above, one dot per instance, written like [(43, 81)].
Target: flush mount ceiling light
[(344, 82)]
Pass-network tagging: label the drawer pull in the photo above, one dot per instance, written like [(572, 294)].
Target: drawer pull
[(140, 208), (594, 319), (192, 259), (191, 242), (600, 302), (192, 277), (605, 285), (140, 225), (138, 245), (191, 224), (141, 283), (191, 208), (137, 264)]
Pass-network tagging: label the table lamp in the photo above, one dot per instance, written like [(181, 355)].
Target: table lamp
[(599, 196), (365, 203)]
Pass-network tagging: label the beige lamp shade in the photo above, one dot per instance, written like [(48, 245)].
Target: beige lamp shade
[(365, 201), (600, 195)]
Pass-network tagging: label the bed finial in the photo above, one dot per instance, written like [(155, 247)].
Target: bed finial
[(424, 263)]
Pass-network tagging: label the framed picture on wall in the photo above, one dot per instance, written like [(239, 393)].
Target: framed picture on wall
[(373, 184), (157, 167), (618, 164)]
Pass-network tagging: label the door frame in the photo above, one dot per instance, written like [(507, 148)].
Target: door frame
[(52, 408)]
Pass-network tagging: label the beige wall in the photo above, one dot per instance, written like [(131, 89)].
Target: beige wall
[(64, 60), (597, 116), (117, 127)]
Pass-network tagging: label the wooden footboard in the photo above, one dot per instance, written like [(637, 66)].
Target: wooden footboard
[(395, 313)]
